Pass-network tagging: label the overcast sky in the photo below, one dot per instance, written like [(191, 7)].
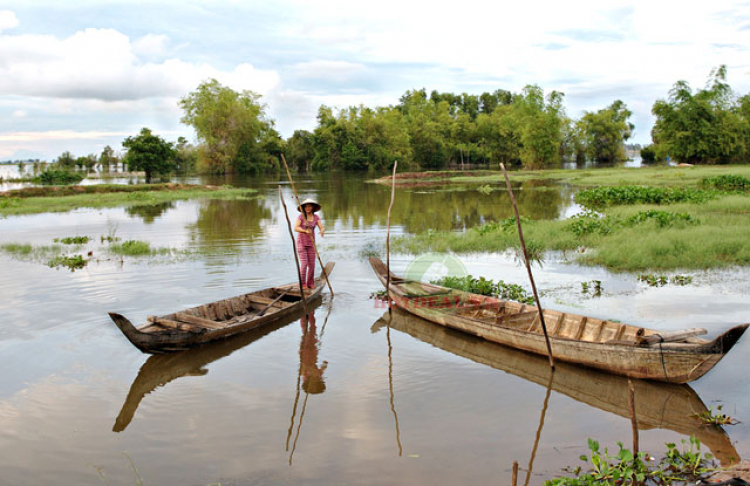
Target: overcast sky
[(80, 75)]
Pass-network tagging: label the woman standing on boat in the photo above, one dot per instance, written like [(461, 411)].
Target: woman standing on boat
[(305, 227)]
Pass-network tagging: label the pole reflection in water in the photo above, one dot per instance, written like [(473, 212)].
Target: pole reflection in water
[(390, 383), (659, 405), (541, 424), (310, 375), (158, 370)]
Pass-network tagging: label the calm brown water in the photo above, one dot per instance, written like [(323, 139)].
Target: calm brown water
[(412, 404)]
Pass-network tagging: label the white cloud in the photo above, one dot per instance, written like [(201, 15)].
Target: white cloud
[(103, 64), (20, 113), (8, 20), (151, 45)]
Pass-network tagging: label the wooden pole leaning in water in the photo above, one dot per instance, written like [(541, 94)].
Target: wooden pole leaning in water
[(388, 237), (528, 268), (296, 257), (315, 247)]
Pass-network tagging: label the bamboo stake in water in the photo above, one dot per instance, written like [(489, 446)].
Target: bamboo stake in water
[(296, 197), (294, 249), (388, 236), (528, 268)]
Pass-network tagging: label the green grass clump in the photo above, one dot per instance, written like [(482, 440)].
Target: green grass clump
[(663, 219), (27, 251), (73, 240), (131, 248), (727, 182), (73, 263), (484, 286), (600, 197), (58, 177), (590, 222)]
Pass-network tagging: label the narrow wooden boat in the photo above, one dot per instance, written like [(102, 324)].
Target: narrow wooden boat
[(218, 320), (159, 370), (623, 349), (664, 406)]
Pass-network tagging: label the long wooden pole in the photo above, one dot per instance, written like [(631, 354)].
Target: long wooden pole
[(528, 267), (315, 247), (388, 237), (294, 249)]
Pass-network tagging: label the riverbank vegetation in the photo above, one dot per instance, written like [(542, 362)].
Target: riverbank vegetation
[(625, 228), (32, 200)]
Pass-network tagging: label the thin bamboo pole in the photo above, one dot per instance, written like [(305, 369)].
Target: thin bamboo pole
[(388, 236), (315, 247), (296, 258), (528, 267)]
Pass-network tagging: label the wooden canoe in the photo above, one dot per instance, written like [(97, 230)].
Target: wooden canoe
[(611, 346), (664, 406), (218, 320), (159, 370)]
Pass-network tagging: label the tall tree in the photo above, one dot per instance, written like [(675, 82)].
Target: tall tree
[(705, 127), (606, 131), (236, 134), (149, 153)]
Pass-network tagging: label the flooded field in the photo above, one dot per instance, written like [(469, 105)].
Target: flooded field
[(408, 403)]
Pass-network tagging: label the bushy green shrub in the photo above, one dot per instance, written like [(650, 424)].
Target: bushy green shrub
[(58, 177), (620, 195), (727, 182)]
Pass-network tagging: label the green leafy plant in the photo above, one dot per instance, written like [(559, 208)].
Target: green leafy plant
[(727, 182), (595, 286), (681, 280), (485, 189), (73, 263), (53, 176), (487, 287), (620, 195), (625, 468), (717, 418), (379, 295), (663, 219), (654, 280), (132, 248), (590, 222), (73, 240)]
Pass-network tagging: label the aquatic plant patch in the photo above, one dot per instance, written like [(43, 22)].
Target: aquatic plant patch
[(685, 466), (590, 222), (662, 218), (487, 287), (727, 182), (600, 197), (72, 263), (73, 240)]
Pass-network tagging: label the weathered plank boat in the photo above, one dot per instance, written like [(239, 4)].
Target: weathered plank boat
[(637, 352), (218, 320), (666, 406), (159, 370)]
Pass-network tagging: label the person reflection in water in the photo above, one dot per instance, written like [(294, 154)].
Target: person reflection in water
[(312, 374)]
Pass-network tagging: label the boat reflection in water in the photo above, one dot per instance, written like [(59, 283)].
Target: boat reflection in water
[(158, 370), (658, 405)]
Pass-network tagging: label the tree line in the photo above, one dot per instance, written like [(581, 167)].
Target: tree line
[(528, 129)]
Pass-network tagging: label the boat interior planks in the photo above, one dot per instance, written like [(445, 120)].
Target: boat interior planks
[(201, 324), (634, 351)]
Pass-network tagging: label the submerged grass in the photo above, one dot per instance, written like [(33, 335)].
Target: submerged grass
[(137, 248), (713, 234), (108, 195)]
